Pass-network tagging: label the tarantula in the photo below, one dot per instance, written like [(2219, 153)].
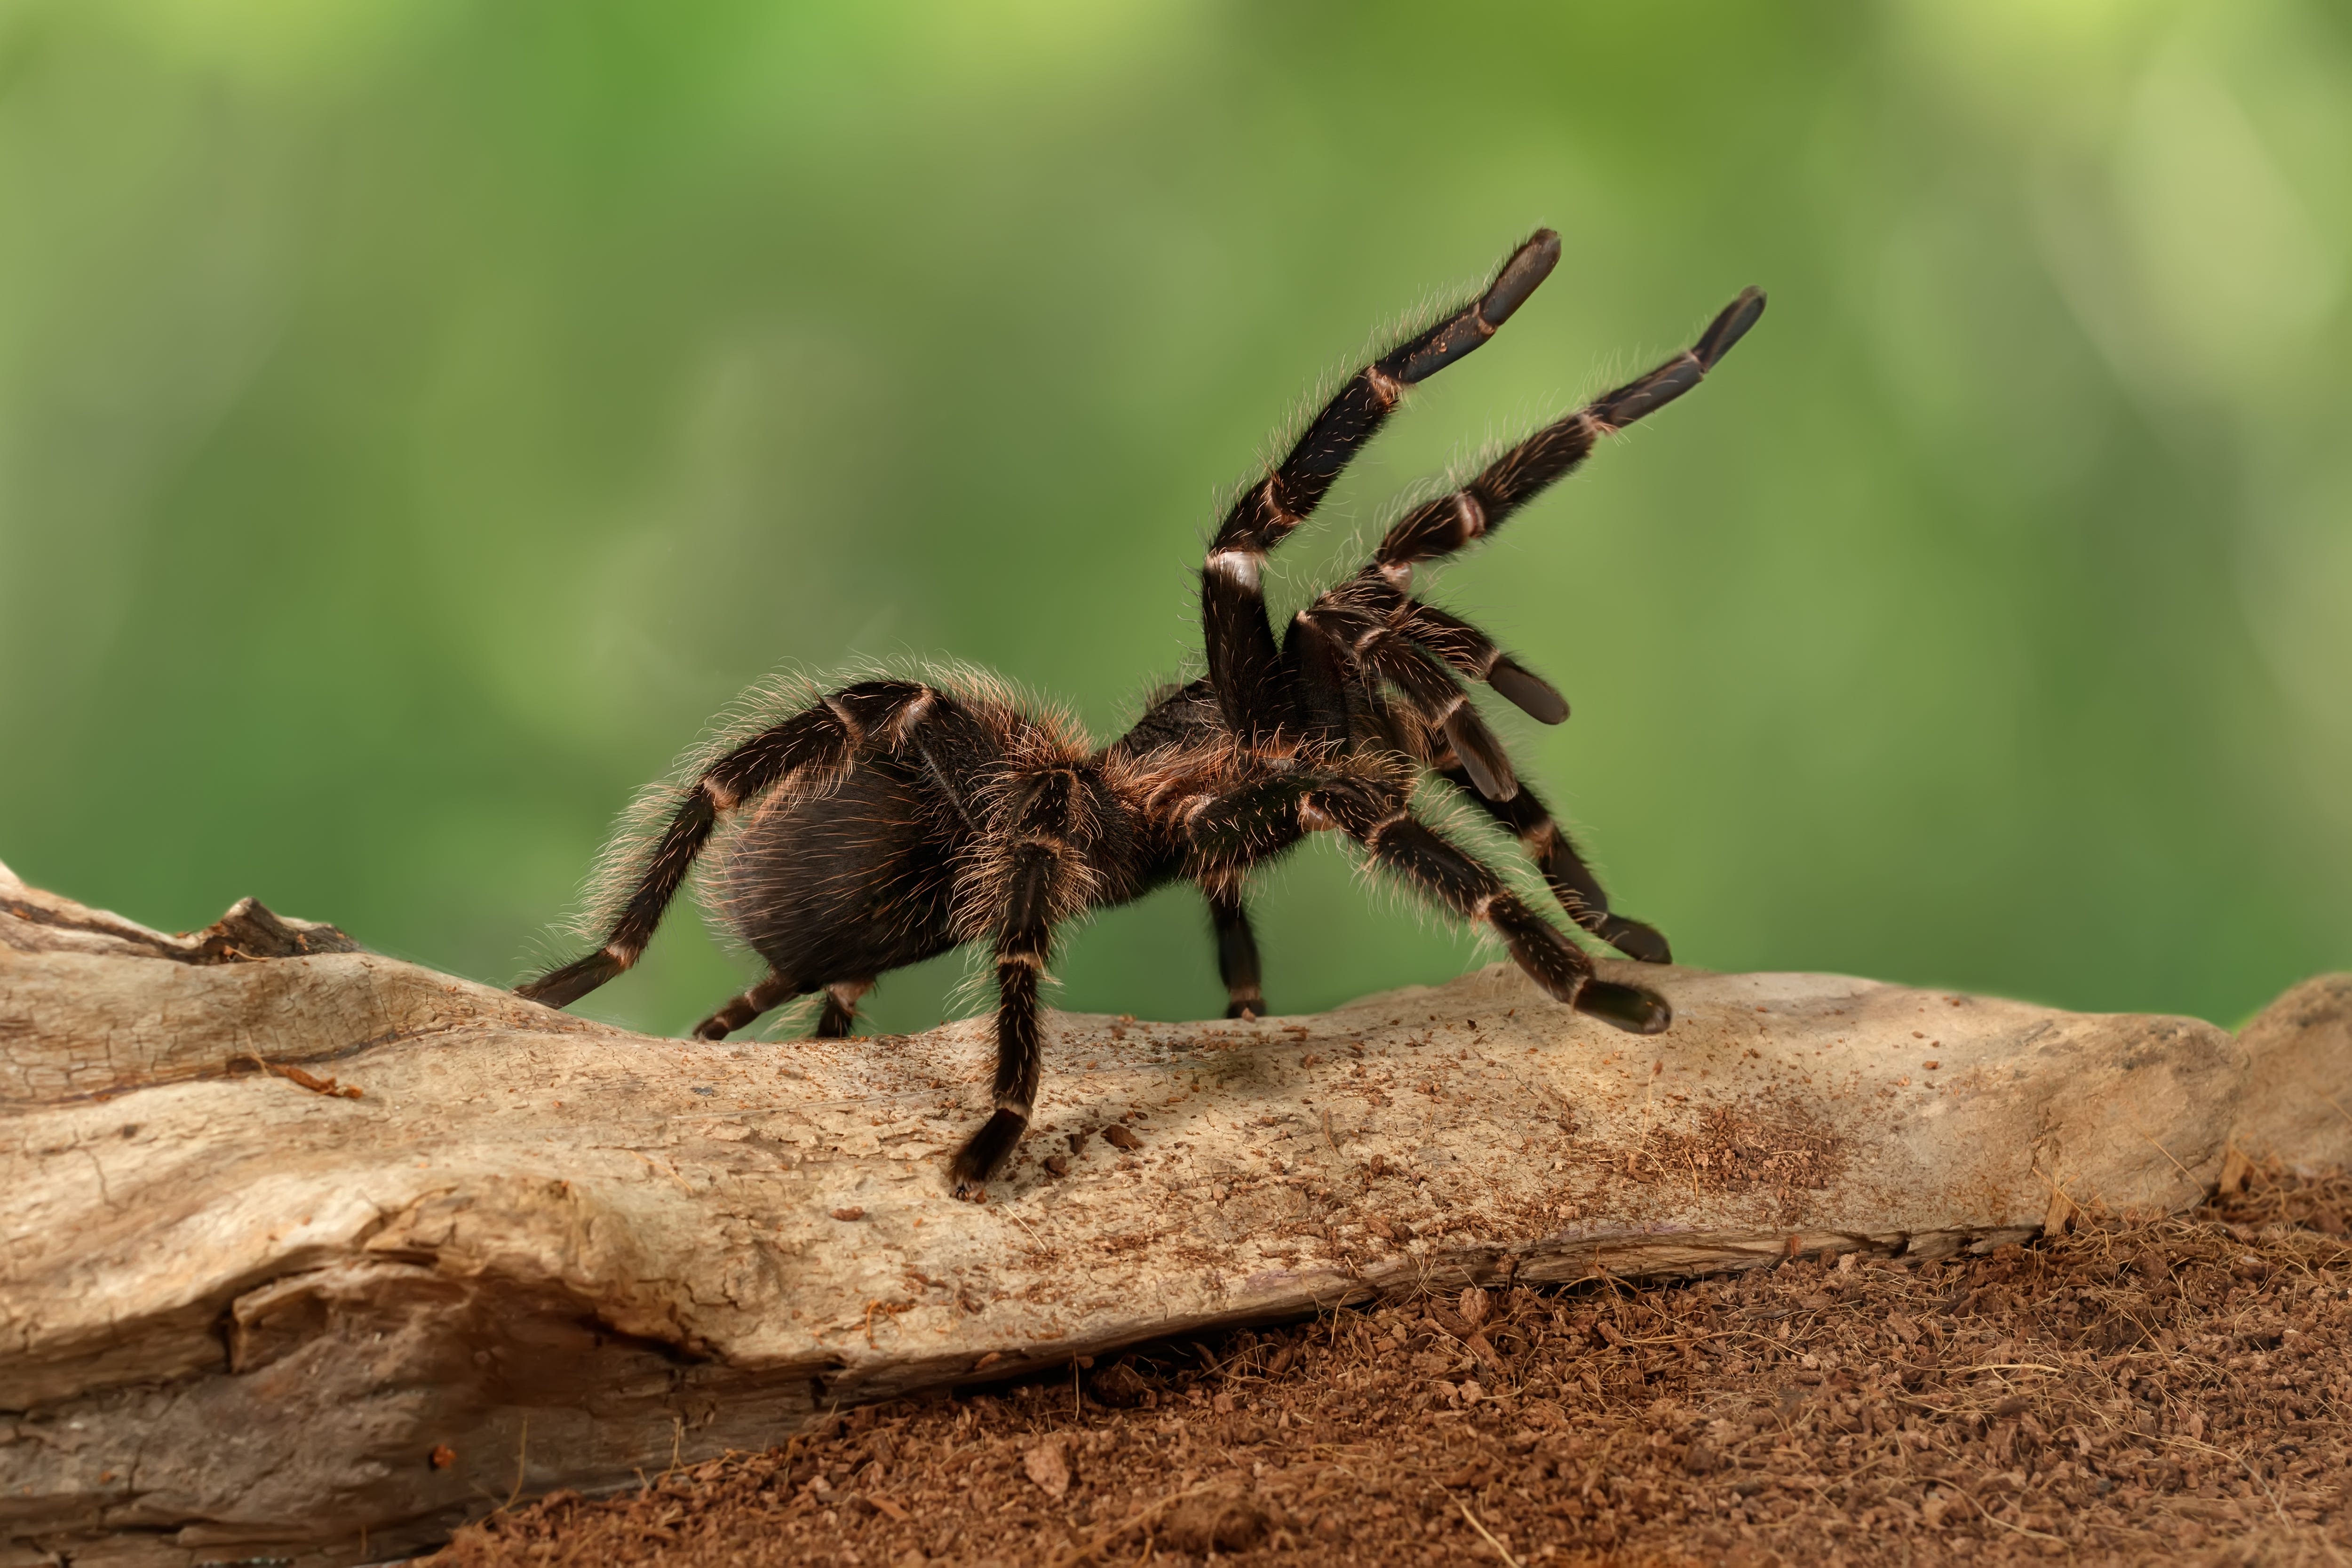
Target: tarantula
[(891, 820)]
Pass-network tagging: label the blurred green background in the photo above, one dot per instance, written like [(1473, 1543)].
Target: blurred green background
[(417, 417)]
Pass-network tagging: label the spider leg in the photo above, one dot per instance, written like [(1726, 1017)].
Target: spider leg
[(772, 992), (1363, 608), (1248, 823), (1237, 962), (1543, 841), (1474, 655), (1435, 699), (1379, 594), (838, 1021), (835, 1023), (1226, 833), (1403, 845), (1037, 880), (1441, 527), (1571, 880), (811, 742), (1244, 666), (1439, 700)]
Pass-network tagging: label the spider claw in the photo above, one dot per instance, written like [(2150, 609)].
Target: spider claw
[(1728, 327), (1529, 692), (1629, 1007), (985, 1152), (1482, 755), (1521, 275), (562, 987), (1645, 943)]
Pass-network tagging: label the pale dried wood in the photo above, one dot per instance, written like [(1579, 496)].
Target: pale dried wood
[(245, 1313)]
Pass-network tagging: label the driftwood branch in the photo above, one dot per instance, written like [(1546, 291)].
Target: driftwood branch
[(312, 1254)]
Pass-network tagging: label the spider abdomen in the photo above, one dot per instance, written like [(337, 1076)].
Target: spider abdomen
[(848, 883)]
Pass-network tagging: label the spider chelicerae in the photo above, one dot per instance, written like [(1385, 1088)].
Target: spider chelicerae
[(881, 824)]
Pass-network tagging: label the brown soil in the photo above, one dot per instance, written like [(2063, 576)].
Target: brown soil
[(2175, 1391)]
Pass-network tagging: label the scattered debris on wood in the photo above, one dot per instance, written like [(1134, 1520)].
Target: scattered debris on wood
[(295, 1075)]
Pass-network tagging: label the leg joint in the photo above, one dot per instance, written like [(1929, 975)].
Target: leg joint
[(850, 727), (1238, 566)]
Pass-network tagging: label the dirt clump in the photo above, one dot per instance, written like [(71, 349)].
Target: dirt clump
[(1733, 1148), (2177, 1391)]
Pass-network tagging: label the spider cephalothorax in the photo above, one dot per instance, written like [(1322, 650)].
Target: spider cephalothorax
[(892, 819)]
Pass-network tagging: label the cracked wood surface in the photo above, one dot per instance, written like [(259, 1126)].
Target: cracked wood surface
[(245, 1312)]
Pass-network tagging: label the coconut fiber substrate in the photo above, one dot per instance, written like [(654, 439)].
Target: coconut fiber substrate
[(2172, 1391)]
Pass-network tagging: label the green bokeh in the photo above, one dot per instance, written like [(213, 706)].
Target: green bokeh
[(417, 419)]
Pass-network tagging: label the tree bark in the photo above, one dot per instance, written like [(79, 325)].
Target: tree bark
[(311, 1254)]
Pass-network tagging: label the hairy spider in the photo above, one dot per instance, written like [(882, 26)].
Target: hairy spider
[(893, 819)]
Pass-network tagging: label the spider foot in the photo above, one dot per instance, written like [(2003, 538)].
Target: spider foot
[(1636, 940), (1629, 1007), (562, 987), (985, 1152)]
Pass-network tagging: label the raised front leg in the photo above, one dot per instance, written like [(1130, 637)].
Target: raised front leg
[(1372, 628), (1438, 528), (1244, 666)]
